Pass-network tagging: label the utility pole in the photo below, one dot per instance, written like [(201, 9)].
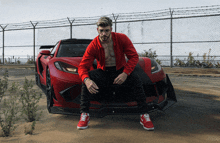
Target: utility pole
[(71, 25), (3, 43), (171, 38), (34, 27), (115, 18)]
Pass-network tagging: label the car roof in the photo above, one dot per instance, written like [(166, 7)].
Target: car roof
[(76, 41)]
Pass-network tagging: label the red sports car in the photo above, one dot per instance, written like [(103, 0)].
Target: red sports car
[(57, 76)]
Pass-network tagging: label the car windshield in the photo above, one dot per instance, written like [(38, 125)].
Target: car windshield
[(71, 50)]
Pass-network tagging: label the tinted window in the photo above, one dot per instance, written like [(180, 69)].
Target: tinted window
[(72, 50)]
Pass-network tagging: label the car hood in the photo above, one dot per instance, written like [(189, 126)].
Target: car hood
[(75, 61)]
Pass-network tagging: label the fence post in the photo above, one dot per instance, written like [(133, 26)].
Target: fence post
[(34, 26), (171, 38), (3, 43), (115, 18), (71, 25)]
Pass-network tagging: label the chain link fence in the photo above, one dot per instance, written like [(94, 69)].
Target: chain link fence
[(180, 36)]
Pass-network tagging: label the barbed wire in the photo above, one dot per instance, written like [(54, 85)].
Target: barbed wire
[(121, 17)]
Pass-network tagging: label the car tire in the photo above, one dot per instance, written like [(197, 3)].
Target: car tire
[(49, 92), (37, 80)]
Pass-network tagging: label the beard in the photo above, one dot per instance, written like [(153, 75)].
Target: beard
[(105, 38)]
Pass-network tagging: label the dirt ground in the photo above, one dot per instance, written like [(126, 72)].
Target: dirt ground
[(195, 118)]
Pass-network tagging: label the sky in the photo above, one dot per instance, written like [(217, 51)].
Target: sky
[(16, 11)]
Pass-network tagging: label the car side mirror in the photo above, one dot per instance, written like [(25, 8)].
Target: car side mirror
[(45, 52)]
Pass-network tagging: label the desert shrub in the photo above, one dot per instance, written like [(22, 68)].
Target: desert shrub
[(6, 62), (208, 60), (179, 63), (29, 100), (190, 60), (10, 105), (150, 54), (18, 62), (158, 61), (9, 111), (30, 61), (217, 65), (3, 84), (206, 63), (29, 128)]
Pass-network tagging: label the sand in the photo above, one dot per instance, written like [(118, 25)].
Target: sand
[(194, 118)]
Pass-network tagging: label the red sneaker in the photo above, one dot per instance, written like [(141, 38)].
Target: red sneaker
[(146, 122), (84, 121)]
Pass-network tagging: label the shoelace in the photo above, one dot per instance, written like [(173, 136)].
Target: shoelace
[(147, 117), (83, 117)]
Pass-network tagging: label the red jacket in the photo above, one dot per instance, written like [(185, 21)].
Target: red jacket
[(122, 46)]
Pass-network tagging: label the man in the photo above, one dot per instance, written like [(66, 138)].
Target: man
[(109, 50)]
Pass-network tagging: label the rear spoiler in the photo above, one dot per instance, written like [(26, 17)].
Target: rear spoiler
[(46, 47)]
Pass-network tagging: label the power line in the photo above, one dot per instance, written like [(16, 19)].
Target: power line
[(133, 16)]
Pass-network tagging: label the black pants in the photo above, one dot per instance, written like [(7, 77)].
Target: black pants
[(104, 79)]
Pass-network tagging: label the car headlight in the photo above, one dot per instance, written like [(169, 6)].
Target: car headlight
[(155, 67), (66, 67)]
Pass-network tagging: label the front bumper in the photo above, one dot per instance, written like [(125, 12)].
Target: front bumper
[(101, 110)]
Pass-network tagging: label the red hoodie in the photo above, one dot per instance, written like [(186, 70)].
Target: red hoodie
[(122, 46)]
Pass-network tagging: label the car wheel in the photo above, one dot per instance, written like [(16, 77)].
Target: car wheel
[(37, 80), (49, 91)]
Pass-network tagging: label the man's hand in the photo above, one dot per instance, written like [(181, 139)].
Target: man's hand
[(91, 86), (121, 78)]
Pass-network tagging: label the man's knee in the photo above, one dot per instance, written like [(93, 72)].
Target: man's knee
[(133, 80)]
